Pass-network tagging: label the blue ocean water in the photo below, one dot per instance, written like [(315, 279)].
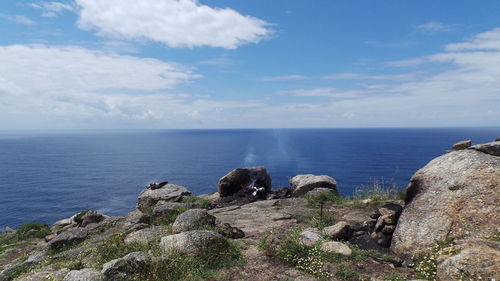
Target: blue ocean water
[(46, 176)]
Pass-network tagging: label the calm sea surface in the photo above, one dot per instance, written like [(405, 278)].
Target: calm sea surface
[(49, 176)]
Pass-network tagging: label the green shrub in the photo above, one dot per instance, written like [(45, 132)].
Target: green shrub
[(393, 277), (189, 199), (33, 230), (115, 247), (205, 203), (347, 274)]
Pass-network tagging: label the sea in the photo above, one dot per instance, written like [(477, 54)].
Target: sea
[(49, 175)]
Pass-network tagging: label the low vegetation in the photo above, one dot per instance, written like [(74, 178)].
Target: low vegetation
[(379, 191), (426, 262), (312, 260)]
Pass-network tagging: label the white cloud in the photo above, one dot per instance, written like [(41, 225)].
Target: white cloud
[(360, 76), (435, 27), (20, 19), (483, 41), (176, 23), (284, 78), (52, 9)]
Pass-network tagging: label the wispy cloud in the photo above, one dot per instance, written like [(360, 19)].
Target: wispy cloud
[(284, 78), (360, 76), (20, 19), (174, 23), (53, 8), (325, 92), (222, 61), (435, 27)]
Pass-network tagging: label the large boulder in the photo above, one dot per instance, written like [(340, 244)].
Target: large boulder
[(122, 268), (86, 274), (478, 260), (455, 195), (169, 192), (245, 180), (69, 237), (301, 184), (193, 242), (193, 219)]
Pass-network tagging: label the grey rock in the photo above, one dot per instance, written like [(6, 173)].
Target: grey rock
[(144, 235), (193, 242), (340, 230), (336, 248), (478, 258), (492, 148), (243, 180), (89, 217), (455, 195), (319, 190), (462, 145), (86, 274), (310, 236), (71, 236), (229, 231), (121, 268), (301, 184), (193, 219), (170, 192), (8, 230), (40, 274), (163, 208)]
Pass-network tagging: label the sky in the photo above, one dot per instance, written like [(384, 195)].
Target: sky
[(187, 64)]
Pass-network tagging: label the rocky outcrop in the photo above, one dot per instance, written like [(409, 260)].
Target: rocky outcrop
[(301, 184), (193, 219), (169, 192), (69, 237), (454, 196), (163, 208), (492, 148), (229, 231), (86, 274), (193, 242), (245, 180), (478, 260)]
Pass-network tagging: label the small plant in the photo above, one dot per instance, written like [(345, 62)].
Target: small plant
[(379, 190), (189, 199), (205, 203), (426, 262), (394, 277), (76, 265)]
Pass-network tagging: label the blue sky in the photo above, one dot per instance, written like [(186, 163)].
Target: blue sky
[(91, 64)]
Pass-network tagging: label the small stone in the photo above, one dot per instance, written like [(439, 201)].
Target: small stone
[(380, 224), (388, 229), (462, 145), (340, 230), (229, 231), (8, 230), (388, 219), (336, 248), (310, 236), (358, 233), (50, 237), (86, 274)]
